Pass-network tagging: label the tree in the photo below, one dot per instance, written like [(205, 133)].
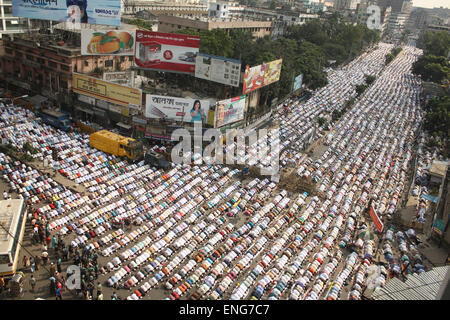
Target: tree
[(432, 68)]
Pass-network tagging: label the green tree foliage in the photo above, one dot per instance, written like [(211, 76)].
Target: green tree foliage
[(141, 24), (437, 120), (432, 68), (435, 43)]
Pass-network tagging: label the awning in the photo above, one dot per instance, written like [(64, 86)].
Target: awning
[(123, 125), (86, 110), (37, 99)]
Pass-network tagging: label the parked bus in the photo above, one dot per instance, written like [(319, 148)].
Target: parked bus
[(12, 226), (55, 118)]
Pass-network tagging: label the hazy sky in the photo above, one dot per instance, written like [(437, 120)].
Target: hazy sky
[(431, 3)]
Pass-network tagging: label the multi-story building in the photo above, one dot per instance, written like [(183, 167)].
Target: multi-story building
[(9, 23), (44, 63), (259, 29), (193, 9)]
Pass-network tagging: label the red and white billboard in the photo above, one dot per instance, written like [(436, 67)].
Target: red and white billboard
[(166, 51), (376, 220)]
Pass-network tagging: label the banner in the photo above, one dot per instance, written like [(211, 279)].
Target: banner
[(218, 69), (229, 111), (438, 226), (261, 75), (107, 91), (166, 51), (108, 42), (298, 82), (376, 220), (180, 109), (120, 77), (105, 12), (272, 71)]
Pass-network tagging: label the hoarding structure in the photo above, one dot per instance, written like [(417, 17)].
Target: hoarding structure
[(166, 51), (105, 12), (108, 42), (262, 75), (298, 82), (229, 111), (218, 69), (107, 91), (120, 77), (174, 108), (272, 71)]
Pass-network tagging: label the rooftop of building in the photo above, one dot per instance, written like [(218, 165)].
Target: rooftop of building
[(9, 212), (423, 286), (439, 168)]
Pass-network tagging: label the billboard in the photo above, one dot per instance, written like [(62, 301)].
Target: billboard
[(229, 111), (218, 69), (166, 51), (298, 82), (272, 71), (262, 75), (180, 109), (105, 12), (120, 77), (107, 91), (108, 42)]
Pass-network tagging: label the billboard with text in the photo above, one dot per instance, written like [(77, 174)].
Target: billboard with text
[(262, 75), (229, 111), (218, 69), (174, 108), (107, 91), (298, 82), (166, 51), (107, 42), (105, 12)]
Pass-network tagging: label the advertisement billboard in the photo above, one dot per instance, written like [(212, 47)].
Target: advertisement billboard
[(166, 51), (229, 111), (105, 12), (107, 91), (108, 42), (180, 109), (272, 71), (298, 82), (261, 75), (218, 69), (253, 78), (120, 77)]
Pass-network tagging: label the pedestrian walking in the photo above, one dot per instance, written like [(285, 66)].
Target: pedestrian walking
[(32, 283), (53, 243), (58, 265), (52, 269), (58, 294), (2, 284), (44, 257), (5, 195), (26, 262), (37, 261)]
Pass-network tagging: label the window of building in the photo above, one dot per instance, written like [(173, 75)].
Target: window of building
[(8, 51), (29, 57), (52, 64), (19, 54), (122, 59), (65, 68), (130, 58), (108, 63), (63, 84), (86, 63)]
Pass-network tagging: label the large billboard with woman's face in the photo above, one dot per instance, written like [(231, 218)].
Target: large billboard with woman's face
[(179, 109), (105, 12)]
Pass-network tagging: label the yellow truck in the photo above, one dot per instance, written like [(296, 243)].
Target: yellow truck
[(116, 144)]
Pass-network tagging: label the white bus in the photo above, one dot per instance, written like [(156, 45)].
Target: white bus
[(12, 223)]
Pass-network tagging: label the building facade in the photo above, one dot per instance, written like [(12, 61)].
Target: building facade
[(258, 29), (44, 63)]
